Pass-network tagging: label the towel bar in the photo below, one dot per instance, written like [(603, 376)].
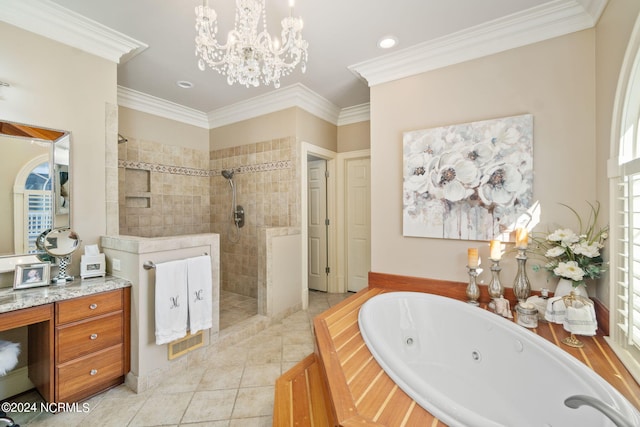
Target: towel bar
[(149, 265)]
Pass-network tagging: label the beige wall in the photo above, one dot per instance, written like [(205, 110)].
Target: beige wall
[(147, 127), (313, 130), (553, 80), (354, 137), (60, 87), (280, 124), (612, 36)]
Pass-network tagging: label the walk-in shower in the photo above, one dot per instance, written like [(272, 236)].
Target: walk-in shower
[(237, 211)]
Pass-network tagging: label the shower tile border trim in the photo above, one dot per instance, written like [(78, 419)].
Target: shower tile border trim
[(180, 170), (173, 170), (264, 167)]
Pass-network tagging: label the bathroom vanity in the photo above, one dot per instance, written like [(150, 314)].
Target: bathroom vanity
[(79, 335)]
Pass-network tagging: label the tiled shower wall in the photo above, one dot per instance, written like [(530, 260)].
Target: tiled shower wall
[(170, 191), (163, 189), (267, 179)]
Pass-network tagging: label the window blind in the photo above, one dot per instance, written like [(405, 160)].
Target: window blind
[(39, 218)]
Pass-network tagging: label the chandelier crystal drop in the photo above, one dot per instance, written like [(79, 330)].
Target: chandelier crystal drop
[(250, 57)]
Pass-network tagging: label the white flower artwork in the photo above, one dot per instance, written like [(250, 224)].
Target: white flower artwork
[(469, 181)]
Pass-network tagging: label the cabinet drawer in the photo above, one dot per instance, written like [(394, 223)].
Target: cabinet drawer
[(89, 374), (88, 336), (91, 305)]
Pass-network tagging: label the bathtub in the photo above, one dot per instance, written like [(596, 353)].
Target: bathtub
[(470, 367)]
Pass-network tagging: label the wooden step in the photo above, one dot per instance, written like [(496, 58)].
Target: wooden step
[(300, 396)]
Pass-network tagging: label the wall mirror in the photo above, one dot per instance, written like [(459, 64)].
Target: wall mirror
[(35, 187)]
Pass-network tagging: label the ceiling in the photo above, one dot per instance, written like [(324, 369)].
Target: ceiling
[(342, 36)]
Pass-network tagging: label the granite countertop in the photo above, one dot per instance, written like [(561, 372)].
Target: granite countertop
[(11, 299)]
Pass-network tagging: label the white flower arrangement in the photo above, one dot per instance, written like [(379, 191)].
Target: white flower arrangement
[(574, 256)]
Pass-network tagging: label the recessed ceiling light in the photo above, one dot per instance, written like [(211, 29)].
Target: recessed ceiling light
[(387, 42), (184, 84)]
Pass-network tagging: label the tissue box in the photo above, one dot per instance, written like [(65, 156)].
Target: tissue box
[(92, 266)]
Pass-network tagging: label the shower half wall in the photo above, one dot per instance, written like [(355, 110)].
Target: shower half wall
[(267, 179)]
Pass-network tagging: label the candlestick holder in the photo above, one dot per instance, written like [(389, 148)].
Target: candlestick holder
[(496, 290), (521, 285), (473, 291)]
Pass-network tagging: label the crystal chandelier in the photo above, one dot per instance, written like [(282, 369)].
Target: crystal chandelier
[(249, 57)]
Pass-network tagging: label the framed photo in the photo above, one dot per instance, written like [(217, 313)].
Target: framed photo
[(31, 275)]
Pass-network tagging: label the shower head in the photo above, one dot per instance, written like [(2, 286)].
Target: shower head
[(228, 174)]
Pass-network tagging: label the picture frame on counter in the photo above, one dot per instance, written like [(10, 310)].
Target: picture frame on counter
[(31, 275)]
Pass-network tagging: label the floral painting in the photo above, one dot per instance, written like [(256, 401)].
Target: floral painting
[(468, 181)]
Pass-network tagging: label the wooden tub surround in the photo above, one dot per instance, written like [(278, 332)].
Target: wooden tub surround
[(342, 385)]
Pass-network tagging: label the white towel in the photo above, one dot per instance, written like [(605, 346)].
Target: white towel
[(9, 352), (200, 287), (581, 319), (556, 311), (171, 301)]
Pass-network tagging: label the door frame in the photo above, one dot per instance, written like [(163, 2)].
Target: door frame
[(307, 149), (341, 195)]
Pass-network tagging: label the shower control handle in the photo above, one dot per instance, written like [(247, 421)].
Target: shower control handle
[(238, 216)]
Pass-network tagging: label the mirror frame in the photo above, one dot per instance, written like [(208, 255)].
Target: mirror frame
[(29, 132)]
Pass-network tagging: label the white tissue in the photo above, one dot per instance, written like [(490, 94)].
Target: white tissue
[(91, 250)]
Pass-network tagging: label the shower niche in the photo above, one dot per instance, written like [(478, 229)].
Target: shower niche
[(138, 188)]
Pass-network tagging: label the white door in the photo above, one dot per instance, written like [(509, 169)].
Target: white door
[(317, 202), (358, 213)]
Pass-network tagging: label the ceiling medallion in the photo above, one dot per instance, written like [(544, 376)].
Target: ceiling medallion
[(249, 57)]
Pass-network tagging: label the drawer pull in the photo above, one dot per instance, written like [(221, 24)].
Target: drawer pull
[(93, 372), (94, 336), (93, 306)]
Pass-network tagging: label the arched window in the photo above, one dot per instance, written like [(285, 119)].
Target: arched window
[(32, 201), (39, 178), (625, 213)]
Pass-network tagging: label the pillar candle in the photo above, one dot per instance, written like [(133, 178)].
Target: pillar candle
[(472, 258), (495, 250), (522, 238)]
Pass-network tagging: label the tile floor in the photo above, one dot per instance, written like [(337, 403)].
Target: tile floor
[(232, 387), (234, 308)]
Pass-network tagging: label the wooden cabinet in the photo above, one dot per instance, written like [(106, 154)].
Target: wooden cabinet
[(91, 344), (78, 345)]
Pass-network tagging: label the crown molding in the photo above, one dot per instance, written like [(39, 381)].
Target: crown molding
[(53, 21), (552, 19), (296, 95), (355, 114), (594, 8), (130, 98)]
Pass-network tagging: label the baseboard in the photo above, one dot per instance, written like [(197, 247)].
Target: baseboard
[(15, 382)]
